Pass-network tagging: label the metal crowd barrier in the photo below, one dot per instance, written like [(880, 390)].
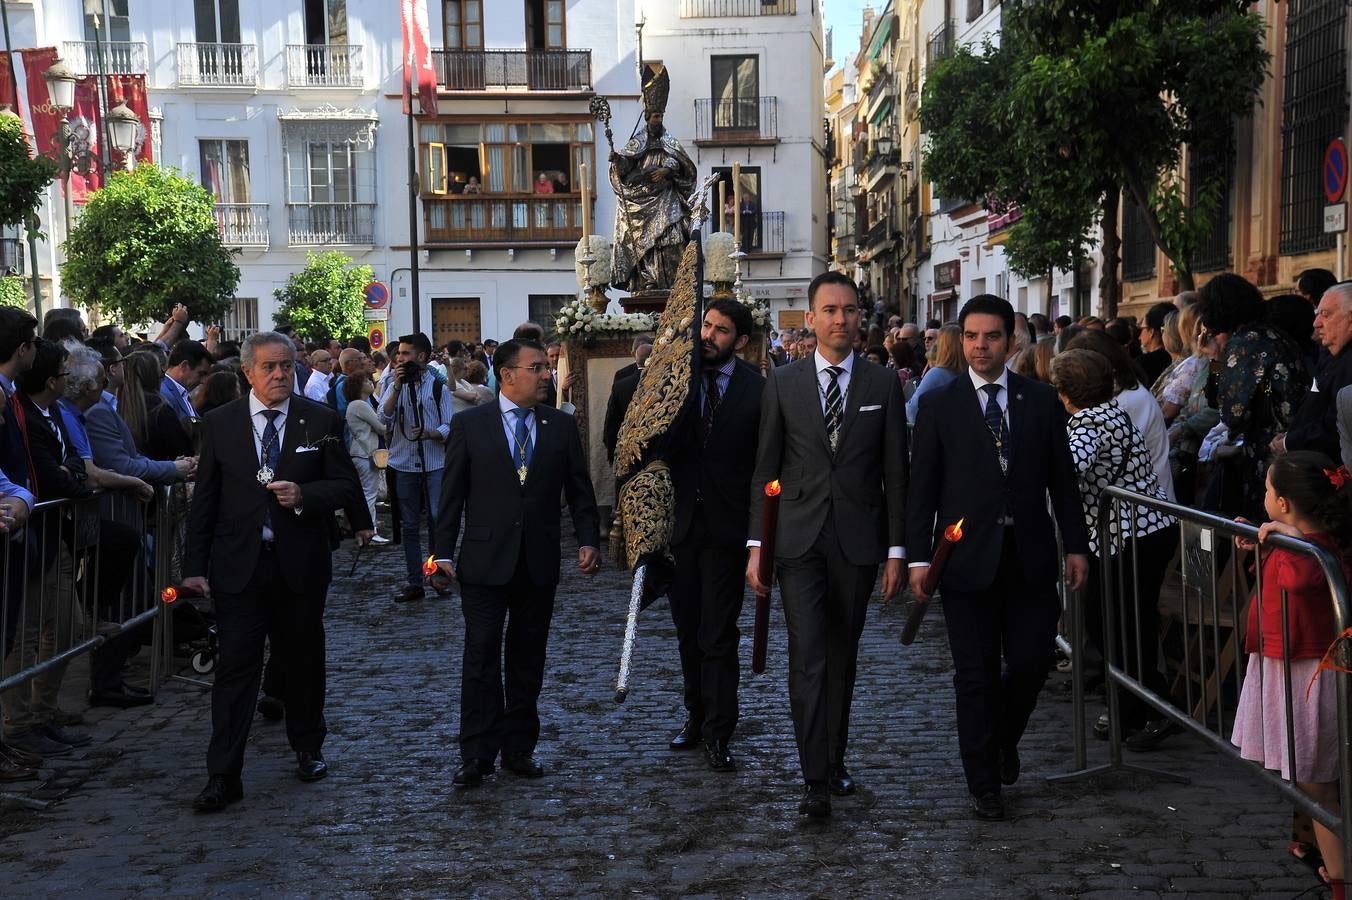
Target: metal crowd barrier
[(82, 573), (1213, 649)]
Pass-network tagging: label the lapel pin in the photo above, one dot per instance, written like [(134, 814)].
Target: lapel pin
[(1018, 396)]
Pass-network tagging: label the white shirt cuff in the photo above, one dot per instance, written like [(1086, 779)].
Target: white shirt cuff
[(753, 543), (918, 565), (896, 552)]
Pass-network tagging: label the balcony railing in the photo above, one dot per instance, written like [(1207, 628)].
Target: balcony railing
[(119, 57), (698, 9), (763, 232), (940, 43), (313, 224), (11, 256), (741, 119), (532, 70), (882, 165), (504, 218), (243, 224), (912, 93), (218, 65), (323, 65), (879, 233)]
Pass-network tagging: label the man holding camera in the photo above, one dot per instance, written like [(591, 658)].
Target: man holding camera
[(416, 408)]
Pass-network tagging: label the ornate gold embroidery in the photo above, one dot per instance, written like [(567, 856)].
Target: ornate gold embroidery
[(646, 504)]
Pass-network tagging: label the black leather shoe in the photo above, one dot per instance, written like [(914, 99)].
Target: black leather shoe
[(122, 698), (1009, 766), (220, 792), (409, 592), (522, 764), (989, 806), (841, 783), (472, 773), (816, 802), (310, 765), (1151, 735), (717, 756), (271, 709), (688, 738), (135, 691)]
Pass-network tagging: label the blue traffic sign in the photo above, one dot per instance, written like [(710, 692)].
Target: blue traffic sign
[(1335, 170)]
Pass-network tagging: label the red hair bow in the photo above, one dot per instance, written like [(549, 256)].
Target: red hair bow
[(1337, 477)]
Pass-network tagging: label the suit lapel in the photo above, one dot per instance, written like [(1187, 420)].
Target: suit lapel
[(294, 434), (544, 436), (1017, 413), (813, 398)]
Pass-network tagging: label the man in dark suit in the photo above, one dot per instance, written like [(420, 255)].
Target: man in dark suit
[(833, 432), (989, 449), (506, 465), (710, 473), (642, 348), (260, 538)]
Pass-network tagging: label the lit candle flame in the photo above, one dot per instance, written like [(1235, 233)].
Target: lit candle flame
[(430, 567), (169, 595), (954, 532), (773, 488)]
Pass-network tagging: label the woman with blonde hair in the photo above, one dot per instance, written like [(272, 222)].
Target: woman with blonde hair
[(948, 364), (1177, 383)]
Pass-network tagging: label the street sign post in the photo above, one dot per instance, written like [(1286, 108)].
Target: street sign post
[(1334, 176)]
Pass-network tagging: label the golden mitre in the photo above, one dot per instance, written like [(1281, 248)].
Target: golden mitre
[(656, 89)]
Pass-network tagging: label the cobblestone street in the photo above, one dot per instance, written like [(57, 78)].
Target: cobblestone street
[(618, 813)]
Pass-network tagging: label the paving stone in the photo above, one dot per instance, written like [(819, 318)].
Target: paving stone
[(618, 813)]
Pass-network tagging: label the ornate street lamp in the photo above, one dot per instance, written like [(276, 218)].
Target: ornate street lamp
[(123, 125), (885, 146)]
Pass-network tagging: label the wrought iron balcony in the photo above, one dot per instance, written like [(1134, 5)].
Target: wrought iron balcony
[(532, 70), (11, 256), (737, 120), (119, 57), (502, 218), (218, 65), (881, 167), (763, 233), (317, 224), (243, 224), (699, 9), (940, 44), (323, 65), (878, 234)]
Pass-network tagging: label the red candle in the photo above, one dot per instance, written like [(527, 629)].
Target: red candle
[(761, 624), (952, 534)]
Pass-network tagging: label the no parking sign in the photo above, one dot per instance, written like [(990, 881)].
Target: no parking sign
[(375, 333)]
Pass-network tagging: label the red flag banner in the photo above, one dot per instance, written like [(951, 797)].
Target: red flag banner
[(418, 67), (7, 97), (86, 119)]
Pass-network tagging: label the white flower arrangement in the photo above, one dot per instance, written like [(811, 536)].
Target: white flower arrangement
[(760, 312), (718, 263), (578, 320), (597, 274)]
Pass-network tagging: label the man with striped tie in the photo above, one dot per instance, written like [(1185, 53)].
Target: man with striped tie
[(833, 433)]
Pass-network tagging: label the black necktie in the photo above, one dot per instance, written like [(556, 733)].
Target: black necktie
[(995, 421), (834, 405), (271, 453), (711, 400)]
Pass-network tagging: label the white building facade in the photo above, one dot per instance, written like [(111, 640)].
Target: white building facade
[(290, 112)]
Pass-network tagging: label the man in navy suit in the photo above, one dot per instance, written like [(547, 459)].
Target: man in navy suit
[(988, 449), (710, 474), (506, 465)]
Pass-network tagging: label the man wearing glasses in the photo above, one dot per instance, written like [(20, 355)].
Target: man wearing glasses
[(506, 464)]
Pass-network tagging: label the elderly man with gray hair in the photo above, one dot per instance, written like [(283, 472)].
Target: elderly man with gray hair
[(1316, 423), (260, 540)]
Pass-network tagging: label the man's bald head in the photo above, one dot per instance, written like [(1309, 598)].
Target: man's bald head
[(910, 331), (352, 361)]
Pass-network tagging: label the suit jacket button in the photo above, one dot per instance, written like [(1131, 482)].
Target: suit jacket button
[(516, 524)]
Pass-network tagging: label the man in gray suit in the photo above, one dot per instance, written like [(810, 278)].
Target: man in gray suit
[(833, 432)]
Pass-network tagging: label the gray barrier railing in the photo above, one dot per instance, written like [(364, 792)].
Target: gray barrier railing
[(81, 573), (1219, 643)]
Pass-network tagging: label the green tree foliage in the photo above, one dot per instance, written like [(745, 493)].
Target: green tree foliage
[(146, 242), (23, 177), (12, 292), (1085, 99), (325, 298)]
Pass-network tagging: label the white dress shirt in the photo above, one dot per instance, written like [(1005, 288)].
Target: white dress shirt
[(317, 388), (259, 422), (505, 407), (1001, 396)]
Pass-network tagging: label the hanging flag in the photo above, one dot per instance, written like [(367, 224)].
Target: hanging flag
[(418, 67)]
